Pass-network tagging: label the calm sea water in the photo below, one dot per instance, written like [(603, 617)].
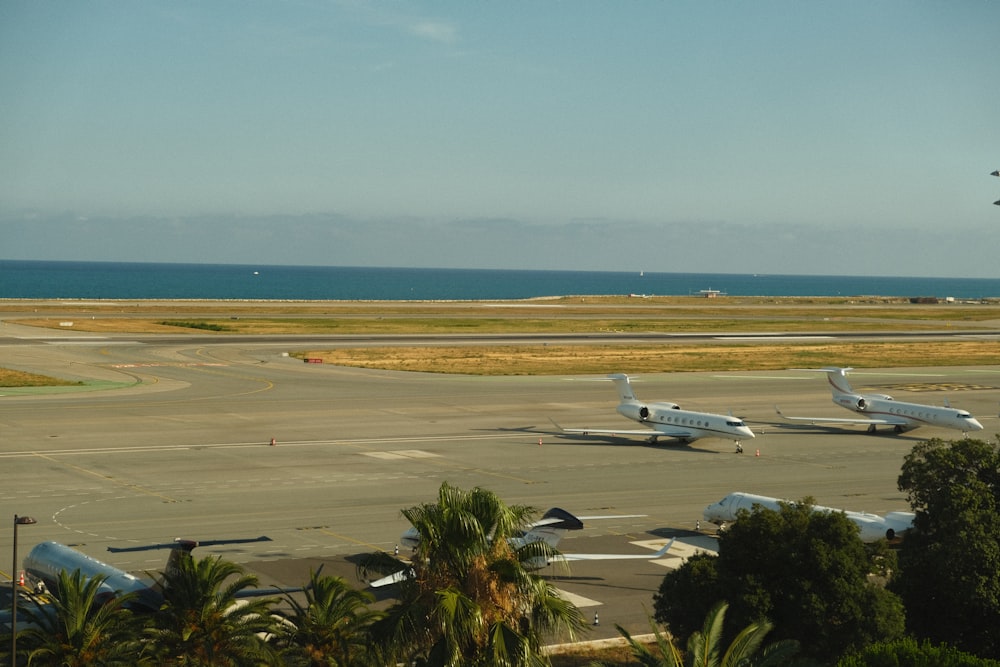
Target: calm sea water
[(113, 280)]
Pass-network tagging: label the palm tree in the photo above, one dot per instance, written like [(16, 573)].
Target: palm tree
[(704, 648), (331, 627), (82, 626), (471, 599), (205, 621)]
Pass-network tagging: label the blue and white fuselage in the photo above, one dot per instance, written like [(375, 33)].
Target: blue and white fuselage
[(47, 559)]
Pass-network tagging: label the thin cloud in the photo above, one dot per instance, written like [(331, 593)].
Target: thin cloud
[(436, 31), (440, 31)]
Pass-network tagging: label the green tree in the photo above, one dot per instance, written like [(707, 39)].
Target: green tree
[(807, 571), (949, 564), (705, 647), (82, 627), (205, 620), (331, 627), (688, 593), (472, 599), (909, 652)]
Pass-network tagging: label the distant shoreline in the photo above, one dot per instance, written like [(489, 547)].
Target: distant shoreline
[(729, 300), (139, 281)]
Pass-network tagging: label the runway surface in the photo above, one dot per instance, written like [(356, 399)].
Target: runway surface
[(176, 443)]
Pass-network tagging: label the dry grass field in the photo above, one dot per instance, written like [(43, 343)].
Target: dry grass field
[(562, 315), (566, 315), (542, 359)]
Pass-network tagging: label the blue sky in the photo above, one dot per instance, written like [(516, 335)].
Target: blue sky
[(760, 137)]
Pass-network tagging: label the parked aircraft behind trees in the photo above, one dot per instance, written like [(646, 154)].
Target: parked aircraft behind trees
[(884, 411), (548, 530), (668, 420), (872, 527), (47, 559)]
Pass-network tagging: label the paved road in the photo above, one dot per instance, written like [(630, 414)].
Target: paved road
[(181, 449)]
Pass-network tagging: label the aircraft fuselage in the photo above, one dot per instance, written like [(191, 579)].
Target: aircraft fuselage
[(47, 559), (908, 415), (871, 527), (672, 421)]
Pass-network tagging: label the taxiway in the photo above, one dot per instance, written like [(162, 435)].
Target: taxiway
[(174, 441)]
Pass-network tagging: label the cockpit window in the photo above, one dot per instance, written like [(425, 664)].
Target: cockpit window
[(735, 423)]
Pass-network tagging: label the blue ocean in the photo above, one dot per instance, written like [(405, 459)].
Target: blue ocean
[(114, 280)]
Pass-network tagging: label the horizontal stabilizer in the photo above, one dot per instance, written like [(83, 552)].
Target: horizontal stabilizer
[(189, 544), (558, 519)]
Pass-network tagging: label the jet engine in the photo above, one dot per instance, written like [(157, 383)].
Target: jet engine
[(639, 413), (862, 403), (901, 521)]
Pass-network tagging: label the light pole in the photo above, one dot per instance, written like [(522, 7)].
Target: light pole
[(18, 521)]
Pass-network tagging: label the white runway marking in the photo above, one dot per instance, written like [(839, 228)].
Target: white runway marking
[(279, 444), (578, 600), (402, 454)]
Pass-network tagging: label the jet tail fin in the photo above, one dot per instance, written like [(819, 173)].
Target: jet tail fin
[(625, 393), (838, 380), (552, 526)]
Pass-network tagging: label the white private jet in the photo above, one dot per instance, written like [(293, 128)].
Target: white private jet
[(549, 529), (872, 526), (668, 420), (885, 411), (47, 559)]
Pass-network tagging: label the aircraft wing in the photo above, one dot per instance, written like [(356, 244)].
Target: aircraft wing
[(656, 430), (405, 574), (643, 433), (653, 556), (840, 420)]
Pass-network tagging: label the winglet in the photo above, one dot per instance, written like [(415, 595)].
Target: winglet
[(393, 578), (663, 552)]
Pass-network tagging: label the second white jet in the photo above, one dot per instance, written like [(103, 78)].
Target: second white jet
[(668, 420), (882, 410), (871, 527)]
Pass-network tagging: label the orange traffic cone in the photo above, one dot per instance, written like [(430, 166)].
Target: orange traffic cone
[(273, 443), (20, 579)]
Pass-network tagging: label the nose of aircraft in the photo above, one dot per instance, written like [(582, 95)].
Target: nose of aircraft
[(747, 433), (711, 513), (976, 426)]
